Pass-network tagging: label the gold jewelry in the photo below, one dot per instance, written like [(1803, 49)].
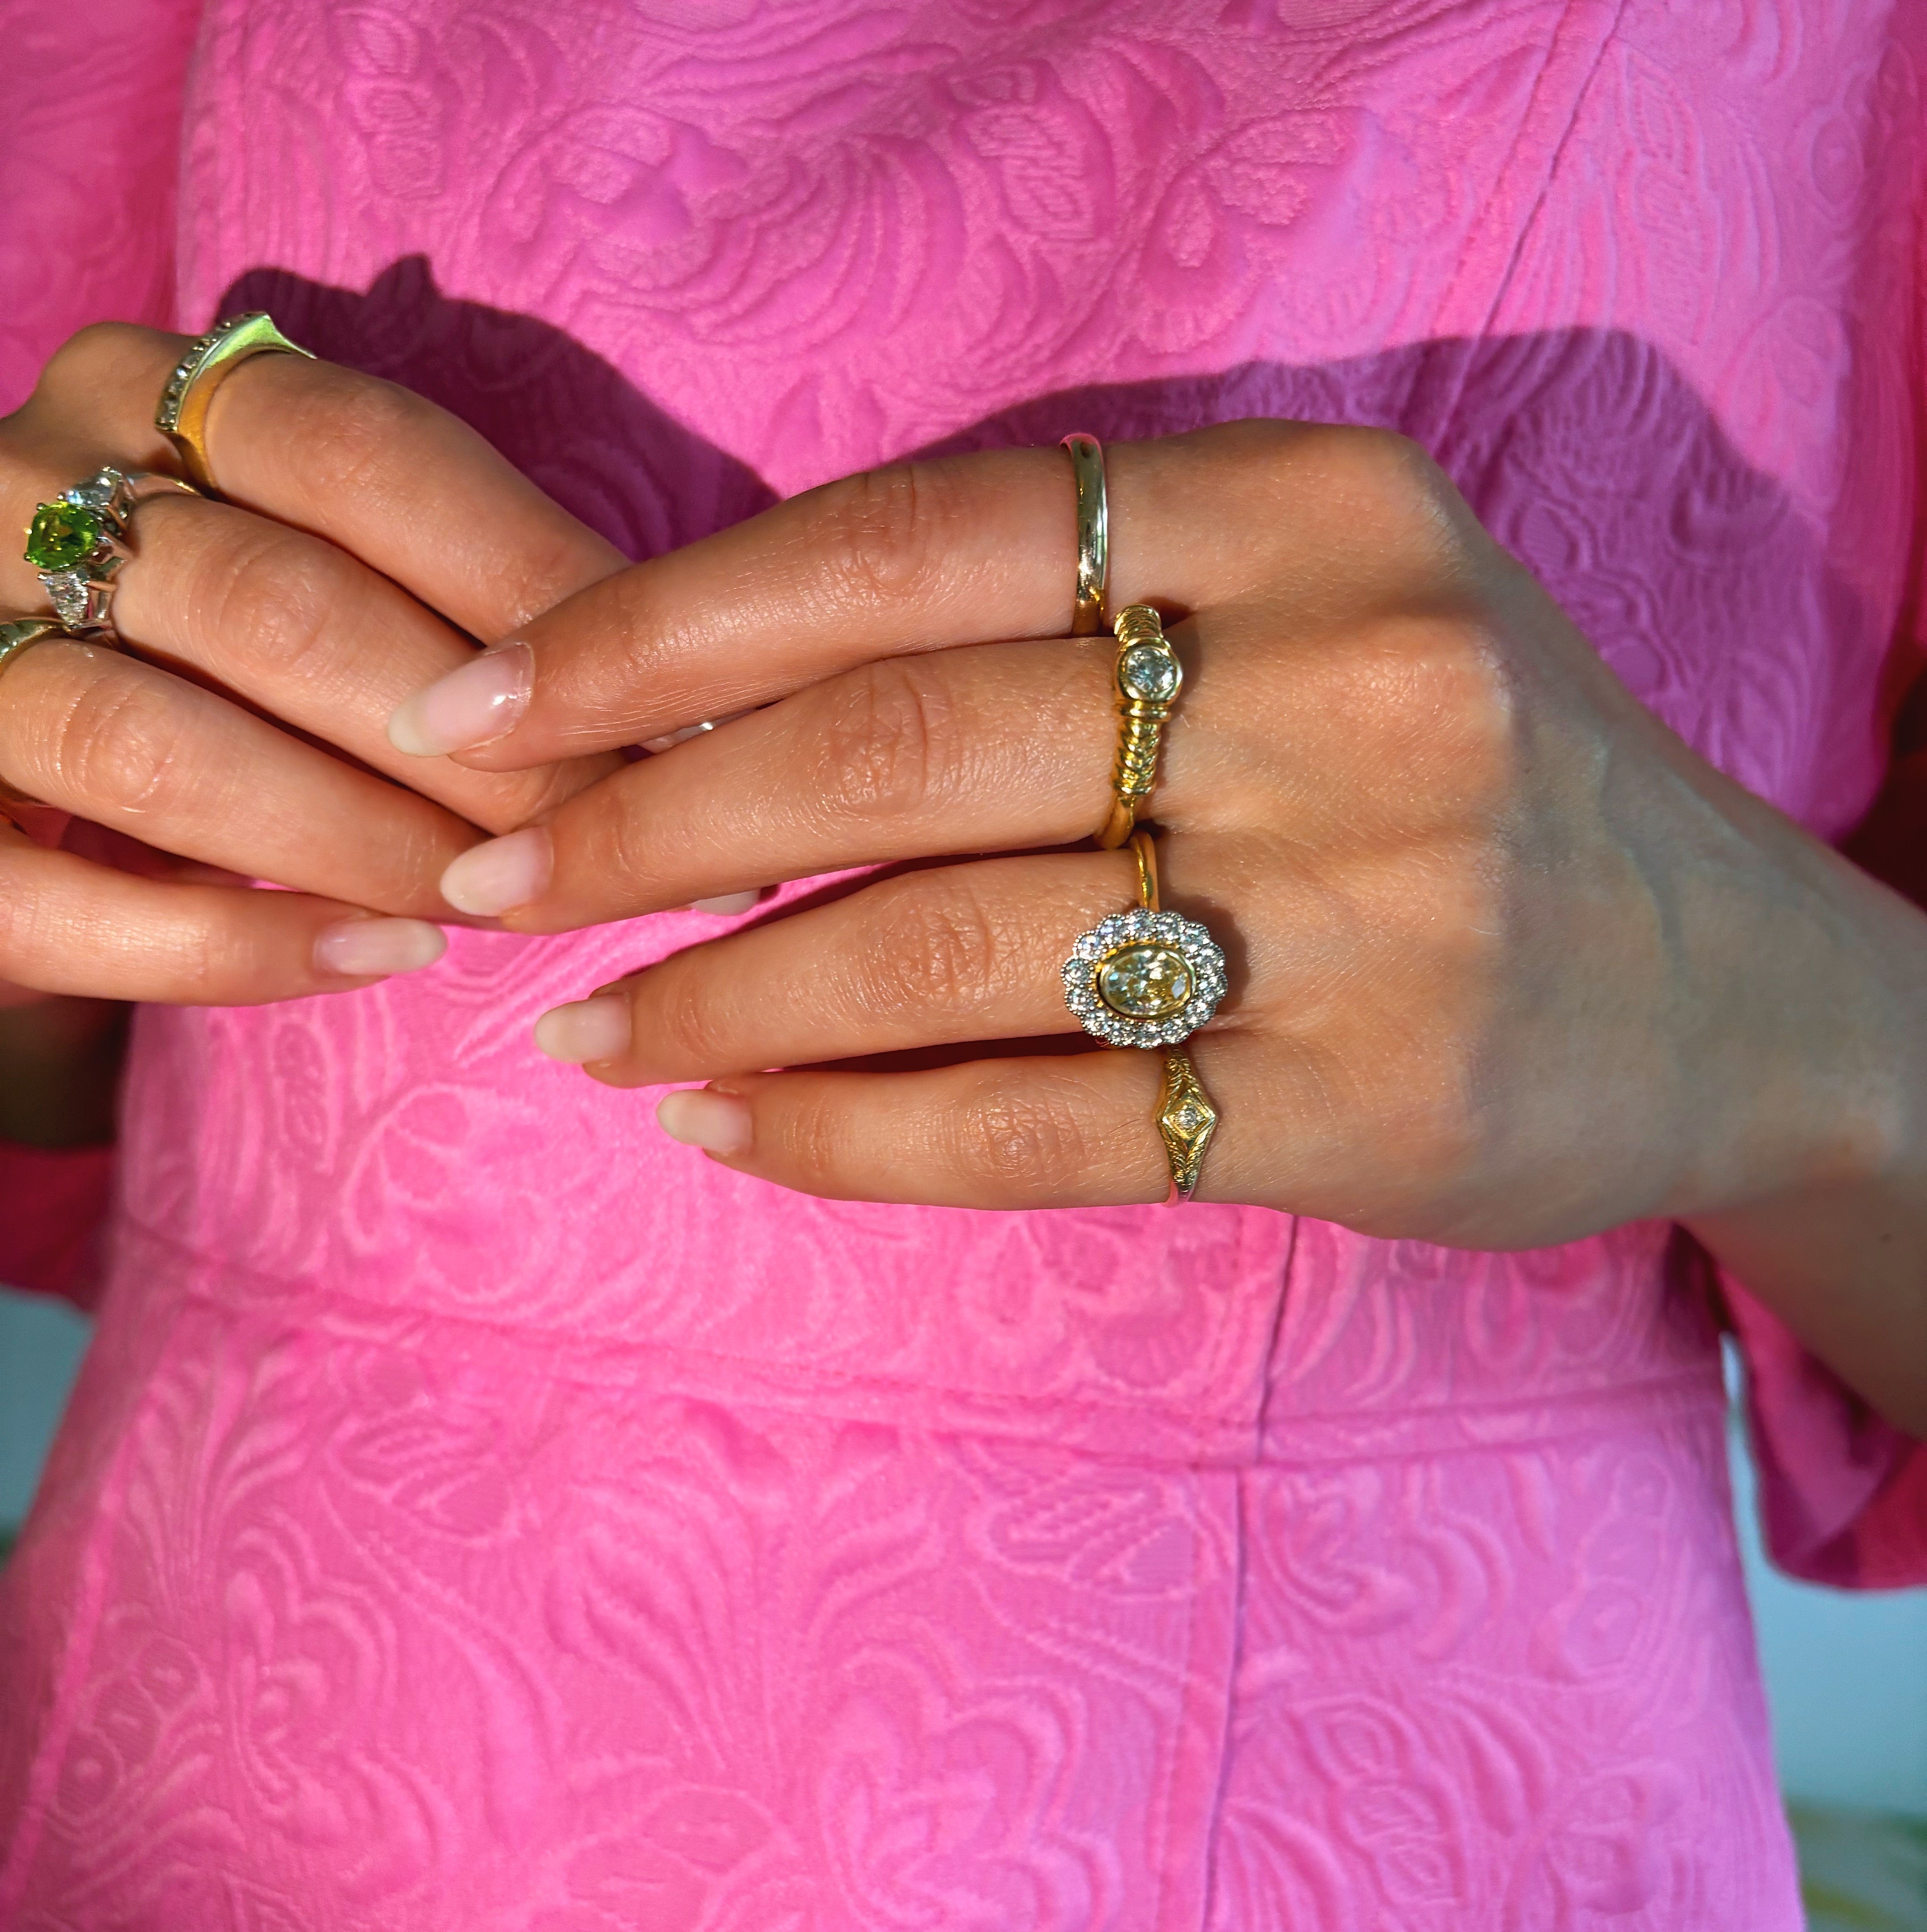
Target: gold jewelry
[(1146, 977), (1188, 1119), (1093, 534), (1147, 678), (181, 416), (1151, 978), (78, 542), (15, 639)]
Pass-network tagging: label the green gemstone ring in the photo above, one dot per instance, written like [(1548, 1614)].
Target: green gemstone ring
[(79, 542)]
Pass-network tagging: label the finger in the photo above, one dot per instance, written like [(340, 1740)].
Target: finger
[(131, 747), (918, 557), (68, 926), (314, 636), (932, 958), (370, 466), (297, 626), (1075, 1132), (971, 750)]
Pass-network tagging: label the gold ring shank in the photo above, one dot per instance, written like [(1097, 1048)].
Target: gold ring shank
[(1147, 679), (1093, 535), (182, 416), (1187, 1119)]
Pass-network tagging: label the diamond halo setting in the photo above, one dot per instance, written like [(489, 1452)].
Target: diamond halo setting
[(1144, 979)]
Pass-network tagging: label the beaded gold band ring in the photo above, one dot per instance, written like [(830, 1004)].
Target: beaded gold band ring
[(1093, 534), (78, 542), (16, 639), (182, 416), (1147, 678)]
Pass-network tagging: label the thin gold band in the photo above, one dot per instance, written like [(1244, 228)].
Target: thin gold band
[(1187, 1118), (182, 415), (1093, 534)]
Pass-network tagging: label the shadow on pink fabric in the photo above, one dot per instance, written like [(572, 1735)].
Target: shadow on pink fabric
[(478, 1512)]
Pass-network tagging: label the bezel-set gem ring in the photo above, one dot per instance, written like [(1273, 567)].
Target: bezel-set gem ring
[(1144, 979)]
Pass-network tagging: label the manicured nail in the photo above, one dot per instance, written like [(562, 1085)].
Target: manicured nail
[(728, 905), (597, 1029), (483, 701), (502, 873), (699, 1117), (364, 949)]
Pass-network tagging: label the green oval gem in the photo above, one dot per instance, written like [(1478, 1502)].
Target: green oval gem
[(60, 535)]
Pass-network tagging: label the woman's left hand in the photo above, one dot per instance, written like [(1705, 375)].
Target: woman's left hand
[(1510, 964)]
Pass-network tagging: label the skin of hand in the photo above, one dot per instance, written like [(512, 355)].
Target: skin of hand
[(366, 538), (1510, 964)]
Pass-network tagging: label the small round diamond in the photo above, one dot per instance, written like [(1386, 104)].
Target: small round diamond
[(1149, 671)]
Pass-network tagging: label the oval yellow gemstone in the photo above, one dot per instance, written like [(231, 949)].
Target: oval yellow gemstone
[(1145, 982)]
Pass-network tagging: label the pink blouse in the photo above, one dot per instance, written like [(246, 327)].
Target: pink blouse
[(477, 1511)]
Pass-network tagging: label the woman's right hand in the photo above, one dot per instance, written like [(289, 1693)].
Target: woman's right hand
[(367, 539)]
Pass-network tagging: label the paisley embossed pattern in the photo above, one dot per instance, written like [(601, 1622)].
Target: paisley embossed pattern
[(478, 1512)]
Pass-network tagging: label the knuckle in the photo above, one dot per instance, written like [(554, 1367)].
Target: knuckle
[(813, 1134), (935, 947), (354, 431), (886, 739), (117, 743), (1021, 1144), (685, 1027), (278, 589), (97, 347), (879, 533)]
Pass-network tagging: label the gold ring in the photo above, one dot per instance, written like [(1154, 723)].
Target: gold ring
[(181, 416), (1188, 1119), (16, 639), (1093, 534), (1151, 978), (1147, 678), (78, 542)]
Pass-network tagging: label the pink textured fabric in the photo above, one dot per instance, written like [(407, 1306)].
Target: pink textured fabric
[(477, 1512)]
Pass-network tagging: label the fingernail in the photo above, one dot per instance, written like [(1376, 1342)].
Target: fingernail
[(699, 1117), (502, 873), (728, 904), (482, 701), (361, 949), (596, 1029)]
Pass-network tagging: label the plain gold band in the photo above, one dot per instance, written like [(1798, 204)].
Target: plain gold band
[(1093, 534), (183, 418)]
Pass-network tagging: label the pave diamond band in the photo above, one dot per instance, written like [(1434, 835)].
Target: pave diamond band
[(78, 542), (182, 416)]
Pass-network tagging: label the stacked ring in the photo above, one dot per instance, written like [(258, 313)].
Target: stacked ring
[(1147, 678), (1093, 534), (182, 414), (78, 542), (1151, 978), (1144, 977)]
